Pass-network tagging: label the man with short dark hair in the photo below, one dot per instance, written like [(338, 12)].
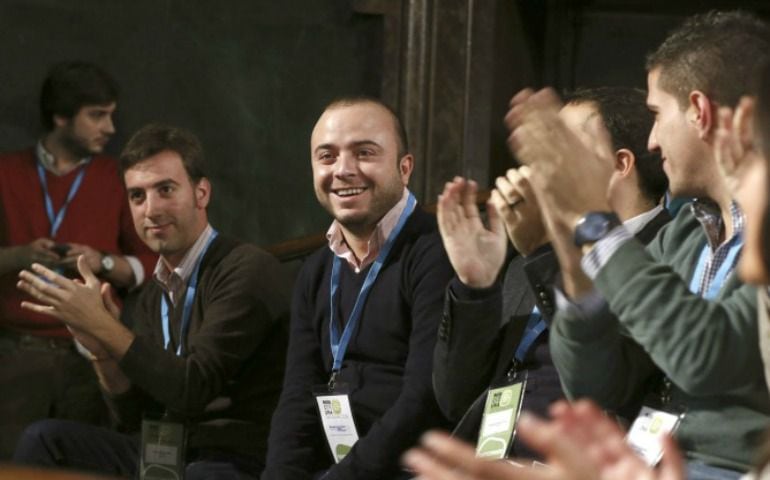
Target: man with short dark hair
[(475, 349), (365, 309), (59, 200), (678, 299), (207, 346)]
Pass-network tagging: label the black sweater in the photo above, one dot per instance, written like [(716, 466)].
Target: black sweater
[(387, 367)]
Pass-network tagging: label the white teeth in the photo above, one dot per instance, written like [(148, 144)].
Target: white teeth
[(349, 191)]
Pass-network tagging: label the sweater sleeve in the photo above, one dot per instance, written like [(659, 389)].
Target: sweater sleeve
[(236, 308), (415, 410), (696, 342), (595, 360)]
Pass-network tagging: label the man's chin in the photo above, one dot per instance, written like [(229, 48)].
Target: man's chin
[(357, 224)]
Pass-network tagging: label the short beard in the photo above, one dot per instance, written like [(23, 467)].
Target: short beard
[(75, 146)]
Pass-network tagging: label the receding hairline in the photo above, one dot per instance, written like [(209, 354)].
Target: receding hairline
[(344, 103)]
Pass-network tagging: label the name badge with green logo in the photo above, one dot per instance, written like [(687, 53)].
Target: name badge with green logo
[(337, 420), (162, 450), (498, 424), (646, 433)]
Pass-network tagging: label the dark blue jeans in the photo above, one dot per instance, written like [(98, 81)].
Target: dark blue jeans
[(76, 446)]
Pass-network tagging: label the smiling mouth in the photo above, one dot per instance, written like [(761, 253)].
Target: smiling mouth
[(156, 228), (349, 192)]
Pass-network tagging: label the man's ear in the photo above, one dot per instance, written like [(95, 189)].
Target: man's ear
[(405, 167), (202, 192), (60, 121), (625, 160), (701, 113)]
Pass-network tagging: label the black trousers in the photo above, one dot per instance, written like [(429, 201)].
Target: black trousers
[(76, 446)]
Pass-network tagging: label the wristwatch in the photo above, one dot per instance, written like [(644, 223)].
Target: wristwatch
[(108, 263), (594, 226)]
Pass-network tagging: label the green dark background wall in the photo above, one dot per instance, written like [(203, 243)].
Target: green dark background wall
[(248, 77), (251, 76)]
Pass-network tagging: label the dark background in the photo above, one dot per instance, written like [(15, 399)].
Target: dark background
[(250, 77)]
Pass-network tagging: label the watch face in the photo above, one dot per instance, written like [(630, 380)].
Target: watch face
[(108, 263), (594, 226)]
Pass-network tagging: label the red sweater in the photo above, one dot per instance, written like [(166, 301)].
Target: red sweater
[(98, 216)]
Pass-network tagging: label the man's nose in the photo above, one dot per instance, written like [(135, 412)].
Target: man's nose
[(108, 126), (652, 140), (346, 165)]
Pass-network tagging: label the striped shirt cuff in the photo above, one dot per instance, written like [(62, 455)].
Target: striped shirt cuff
[(602, 250)]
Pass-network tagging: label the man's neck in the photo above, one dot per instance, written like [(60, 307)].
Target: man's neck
[(633, 208), (358, 239), (64, 159)]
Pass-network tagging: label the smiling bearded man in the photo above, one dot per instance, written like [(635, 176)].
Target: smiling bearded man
[(365, 309)]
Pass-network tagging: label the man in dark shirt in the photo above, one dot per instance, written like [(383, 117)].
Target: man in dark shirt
[(208, 341), (365, 309), (490, 329)]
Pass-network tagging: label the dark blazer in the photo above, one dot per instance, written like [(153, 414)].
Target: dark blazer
[(481, 329)]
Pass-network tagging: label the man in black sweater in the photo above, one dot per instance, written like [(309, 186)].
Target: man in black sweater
[(207, 347), (365, 310)]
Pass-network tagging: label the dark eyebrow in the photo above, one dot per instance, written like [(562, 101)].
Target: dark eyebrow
[(325, 146), (158, 184), (365, 143)]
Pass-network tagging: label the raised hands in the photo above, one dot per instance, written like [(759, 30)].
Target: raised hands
[(569, 176), (515, 201), (477, 253), (580, 443), (734, 147), (79, 304)]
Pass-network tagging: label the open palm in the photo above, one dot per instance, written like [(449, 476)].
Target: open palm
[(477, 253)]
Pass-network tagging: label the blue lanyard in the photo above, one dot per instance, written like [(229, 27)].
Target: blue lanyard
[(192, 285), (722, 273), (56, 219), (340, 345), (535, 326)]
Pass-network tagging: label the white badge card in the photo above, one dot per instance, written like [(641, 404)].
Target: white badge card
[(339, 428), (647, 431), (501, 411), (162, 451)]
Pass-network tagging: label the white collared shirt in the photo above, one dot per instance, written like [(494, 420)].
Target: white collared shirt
[(48, 161), (174, 281), (382, 231)]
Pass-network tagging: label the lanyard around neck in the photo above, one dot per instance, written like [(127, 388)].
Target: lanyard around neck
[(56, 219), (535, 326), (192, 286), (724, 270), (339, 345)]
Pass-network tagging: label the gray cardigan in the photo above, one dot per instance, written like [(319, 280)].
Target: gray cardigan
[(708, 349)]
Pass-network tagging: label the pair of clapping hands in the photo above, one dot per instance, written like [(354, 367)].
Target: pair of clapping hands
[(84, 305), (579, 443)]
